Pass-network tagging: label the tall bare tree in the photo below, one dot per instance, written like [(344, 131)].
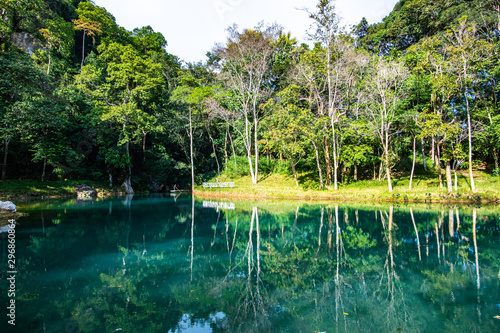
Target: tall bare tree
[(465, 51), (384, 89), (245, 66)]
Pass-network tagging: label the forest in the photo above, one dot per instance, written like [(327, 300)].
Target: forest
[(83, 98)]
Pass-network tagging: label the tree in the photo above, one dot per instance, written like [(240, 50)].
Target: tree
[(435, 125), (43, 122), (465, 50), (287, 127), (245, 66), (384, 90), (193, 95), (325, 29), (122, 82), (308, 72), (93, 21), (20, 80), (58, 38)]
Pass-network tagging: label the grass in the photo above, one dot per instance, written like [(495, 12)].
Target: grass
[(15, 189), (425, 189)]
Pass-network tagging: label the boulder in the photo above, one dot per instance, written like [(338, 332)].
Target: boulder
[(8, 206), (85, 192)]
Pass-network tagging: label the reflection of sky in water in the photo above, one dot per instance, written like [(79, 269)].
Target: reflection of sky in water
[(186, 325), (129, 264)]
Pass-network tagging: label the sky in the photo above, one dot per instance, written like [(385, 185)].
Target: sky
[(193, 27)]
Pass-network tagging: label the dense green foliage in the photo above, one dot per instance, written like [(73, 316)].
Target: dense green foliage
[(83, 98)]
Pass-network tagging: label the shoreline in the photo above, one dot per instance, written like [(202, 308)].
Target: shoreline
[(206, 194)]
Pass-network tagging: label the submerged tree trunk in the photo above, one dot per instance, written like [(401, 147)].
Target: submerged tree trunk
[(5, 154)]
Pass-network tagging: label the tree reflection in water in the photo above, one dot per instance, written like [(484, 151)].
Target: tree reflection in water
[(162, 265)]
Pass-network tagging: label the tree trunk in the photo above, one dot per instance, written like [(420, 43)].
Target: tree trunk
[(423, 155), (232, 145), (256, 143), (335, 162), (5, 154), (128, 181), (469, 127), (381, 170), (226, 161), (248, 145), (144, 146), (456, 179), (328, 163), (414, 156), (83, 50), (215, 152), (495, 157), (294, 172), (438, 161), (355, 172), (318, 165), (449, 181), (44, 167), (388, 169), (191, 148), (433, 151), (48, 65)]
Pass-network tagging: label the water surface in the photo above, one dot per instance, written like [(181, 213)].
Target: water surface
[(165, 264)]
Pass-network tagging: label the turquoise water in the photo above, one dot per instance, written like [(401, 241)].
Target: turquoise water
[(165, 264)]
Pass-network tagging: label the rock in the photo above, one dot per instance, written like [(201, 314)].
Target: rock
[(7, 205), (85, 192), (7, 227), (25, 41)]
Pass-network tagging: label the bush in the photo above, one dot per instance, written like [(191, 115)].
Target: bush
[(282, 168), (238, 170)]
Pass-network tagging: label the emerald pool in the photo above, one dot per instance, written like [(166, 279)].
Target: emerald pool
[(182, 264)]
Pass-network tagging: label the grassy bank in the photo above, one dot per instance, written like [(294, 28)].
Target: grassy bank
[(20, 189), (425, 189)]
